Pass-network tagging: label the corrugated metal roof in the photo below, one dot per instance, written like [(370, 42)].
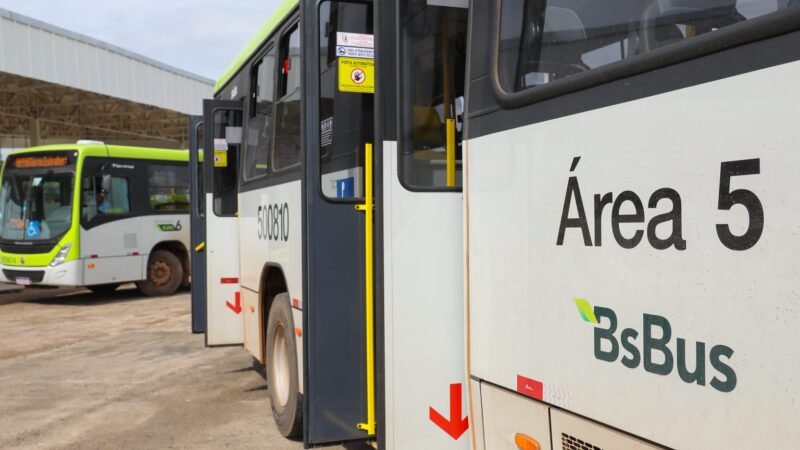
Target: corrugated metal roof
[(34, 49)]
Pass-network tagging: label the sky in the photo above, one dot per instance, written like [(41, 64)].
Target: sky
[(199, 36)]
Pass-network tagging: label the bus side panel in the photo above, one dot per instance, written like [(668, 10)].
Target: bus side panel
[(635, 264), (156, 229), (112, 252), (424, 313), (119, 250), (113, 269), (270, 226)]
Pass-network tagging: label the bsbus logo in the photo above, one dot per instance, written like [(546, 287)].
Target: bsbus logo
[(656, 352)]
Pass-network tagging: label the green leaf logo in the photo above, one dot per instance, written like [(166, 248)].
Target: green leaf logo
[(586, 310)]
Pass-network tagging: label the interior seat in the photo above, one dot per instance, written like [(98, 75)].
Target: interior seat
[(664, 21)]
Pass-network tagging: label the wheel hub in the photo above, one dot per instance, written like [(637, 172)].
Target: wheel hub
[(280, 367), (159, 273)]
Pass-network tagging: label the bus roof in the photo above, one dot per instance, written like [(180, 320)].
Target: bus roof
[(113, 151), (275, 19)]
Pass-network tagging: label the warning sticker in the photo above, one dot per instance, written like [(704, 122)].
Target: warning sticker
[(355, 52), (355, 40), (220, 158), (221, 144), (326, 132), (357, 75)]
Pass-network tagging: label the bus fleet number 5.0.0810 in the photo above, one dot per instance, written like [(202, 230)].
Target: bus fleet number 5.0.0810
[(273, 222)]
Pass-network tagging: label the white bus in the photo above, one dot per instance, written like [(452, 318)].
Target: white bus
[(615, 273), (95, 215)]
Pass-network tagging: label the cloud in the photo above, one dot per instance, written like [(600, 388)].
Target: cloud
[(200, 36)]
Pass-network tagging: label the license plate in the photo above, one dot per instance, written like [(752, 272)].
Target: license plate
[(25, 281)]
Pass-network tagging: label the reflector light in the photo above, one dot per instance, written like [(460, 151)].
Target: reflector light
[(91, 266), (526, 442), (298, 332)]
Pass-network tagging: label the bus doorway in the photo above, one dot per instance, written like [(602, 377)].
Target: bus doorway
[(222, 145), (198, 225)]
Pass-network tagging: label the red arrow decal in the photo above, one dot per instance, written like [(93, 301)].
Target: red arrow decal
[(237, 308), (455, 426)]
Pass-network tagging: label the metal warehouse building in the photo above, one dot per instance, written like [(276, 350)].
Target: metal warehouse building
[(60, 86)]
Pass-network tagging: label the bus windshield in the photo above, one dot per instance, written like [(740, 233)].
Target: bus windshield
[(36, 198)]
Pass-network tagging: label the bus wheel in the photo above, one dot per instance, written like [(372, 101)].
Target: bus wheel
[(164, 274), (103, 289), (282, 379)]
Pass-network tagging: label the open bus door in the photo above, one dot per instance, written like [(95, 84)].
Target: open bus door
[(198, 225), (222, 136), (421, 219), (394, 355), (339, 118)]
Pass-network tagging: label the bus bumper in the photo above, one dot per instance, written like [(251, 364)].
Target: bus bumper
[(68, 274)]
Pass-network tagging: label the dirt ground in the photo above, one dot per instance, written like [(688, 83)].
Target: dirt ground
[(78, 370)]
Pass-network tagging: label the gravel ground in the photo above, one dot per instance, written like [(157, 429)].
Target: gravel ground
[(78, 370)]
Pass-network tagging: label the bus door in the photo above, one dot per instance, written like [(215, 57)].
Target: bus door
[(339, 113), (109, 241), (198, 225), (222, 141), (423, 232)]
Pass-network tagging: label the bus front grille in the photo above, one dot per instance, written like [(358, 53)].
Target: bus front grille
[(36, 276), (22, 248)]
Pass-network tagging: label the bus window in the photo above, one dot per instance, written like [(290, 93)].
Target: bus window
[(201, 197), (35, 206), (105, 195), (346, 118), (290, 60), (228, 139), (545, 40), (168, 187), (286, 153), (118, 196), (434, 66), (259, 128)]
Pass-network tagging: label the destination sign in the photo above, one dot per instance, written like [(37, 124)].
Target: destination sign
[(31, 162)]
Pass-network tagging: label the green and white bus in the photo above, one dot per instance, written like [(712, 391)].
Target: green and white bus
[(95, 215), (511, 224), (332, 251)]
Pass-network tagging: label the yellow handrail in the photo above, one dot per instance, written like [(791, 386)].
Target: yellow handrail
[(451, 152), (368, 208)]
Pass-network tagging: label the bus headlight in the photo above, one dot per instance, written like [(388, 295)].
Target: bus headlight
[(61, 256)]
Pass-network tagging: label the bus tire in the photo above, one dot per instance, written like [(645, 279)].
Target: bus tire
[(103, 289), (164, 274), (282, 379)]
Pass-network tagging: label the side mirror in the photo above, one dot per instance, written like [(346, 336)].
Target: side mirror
[(459, 104)]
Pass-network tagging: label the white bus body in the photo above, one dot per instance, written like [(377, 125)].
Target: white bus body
[(630, 278)]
